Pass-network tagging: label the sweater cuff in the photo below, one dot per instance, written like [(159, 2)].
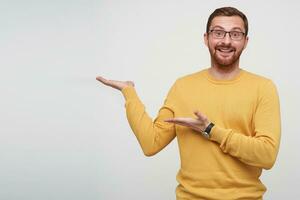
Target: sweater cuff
[(129, 93), (219, 134)]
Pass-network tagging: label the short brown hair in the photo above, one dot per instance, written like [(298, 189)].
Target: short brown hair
[(227, 11)]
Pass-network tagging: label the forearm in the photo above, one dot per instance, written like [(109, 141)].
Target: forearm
[(259, 151), (152, 135)]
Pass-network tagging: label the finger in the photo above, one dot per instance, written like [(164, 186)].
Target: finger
[(102, 80), (200, 115), (111, 83), (168, 120), (99, 78), (182, 121), (178, 119), (179, 123), (175, 120)]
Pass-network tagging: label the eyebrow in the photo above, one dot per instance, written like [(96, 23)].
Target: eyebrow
[(220, 27)]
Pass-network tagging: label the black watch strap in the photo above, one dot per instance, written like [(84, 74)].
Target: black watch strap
[(209, 127)]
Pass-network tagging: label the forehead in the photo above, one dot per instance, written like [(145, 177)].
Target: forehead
[(228, 23)]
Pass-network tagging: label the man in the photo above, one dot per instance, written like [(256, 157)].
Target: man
[(226, 120)]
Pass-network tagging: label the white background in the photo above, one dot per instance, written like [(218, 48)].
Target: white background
[(64, 136)]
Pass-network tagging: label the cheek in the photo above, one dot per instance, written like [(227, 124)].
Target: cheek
[(212, 44), (239, 46)]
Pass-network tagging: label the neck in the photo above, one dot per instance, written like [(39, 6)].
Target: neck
[(224, 72)]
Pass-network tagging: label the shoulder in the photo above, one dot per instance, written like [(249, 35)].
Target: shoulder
[(255, 77), (188, 78), (258, 80), (264, 86)]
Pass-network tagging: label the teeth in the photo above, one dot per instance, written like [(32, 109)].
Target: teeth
[(225, 50)]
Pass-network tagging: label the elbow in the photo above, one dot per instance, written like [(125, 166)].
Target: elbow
[(149, 153), (149, 150), (269, 163), (269, 158), (268, 155)]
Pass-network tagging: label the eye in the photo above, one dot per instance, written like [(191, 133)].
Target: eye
[(235, 34), (219, 33)]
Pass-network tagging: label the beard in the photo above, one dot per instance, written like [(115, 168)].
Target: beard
[(225, 55)]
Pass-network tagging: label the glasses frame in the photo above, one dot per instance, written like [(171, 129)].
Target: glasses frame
[(229, 32)]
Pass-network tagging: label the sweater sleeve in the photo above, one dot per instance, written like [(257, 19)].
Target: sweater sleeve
[(261, 149), (154, 135)]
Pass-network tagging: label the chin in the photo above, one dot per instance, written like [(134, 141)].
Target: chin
[(225, 63)]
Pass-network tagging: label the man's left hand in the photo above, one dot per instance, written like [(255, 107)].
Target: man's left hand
[(199, 124)]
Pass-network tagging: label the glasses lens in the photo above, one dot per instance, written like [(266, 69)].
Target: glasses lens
[(235, 35), (218, 33)]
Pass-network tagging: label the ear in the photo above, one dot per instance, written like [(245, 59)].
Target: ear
[(246, 42), (206, 39)]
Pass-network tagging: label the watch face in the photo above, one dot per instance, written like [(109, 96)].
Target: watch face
[(205, 134)]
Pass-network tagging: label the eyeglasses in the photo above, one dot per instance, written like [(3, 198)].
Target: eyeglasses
[(234, 35)]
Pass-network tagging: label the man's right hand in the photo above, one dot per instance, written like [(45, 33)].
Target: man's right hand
[(115, 84)]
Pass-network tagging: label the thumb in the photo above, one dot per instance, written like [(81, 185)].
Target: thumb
[(200, 115), (130, 83)]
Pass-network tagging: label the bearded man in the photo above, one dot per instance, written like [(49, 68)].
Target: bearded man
[(226, 119)]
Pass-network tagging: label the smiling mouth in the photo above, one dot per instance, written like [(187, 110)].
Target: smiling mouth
[(225, 50)]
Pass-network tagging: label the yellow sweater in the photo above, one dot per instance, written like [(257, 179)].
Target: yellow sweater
[(244, 140)]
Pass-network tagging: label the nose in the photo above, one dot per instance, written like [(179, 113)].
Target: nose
[(227, 39)]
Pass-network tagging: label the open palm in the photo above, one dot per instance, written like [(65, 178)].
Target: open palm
[(115, 84), (199, 124)]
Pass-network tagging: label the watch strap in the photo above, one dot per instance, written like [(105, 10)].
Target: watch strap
[(209, 127)]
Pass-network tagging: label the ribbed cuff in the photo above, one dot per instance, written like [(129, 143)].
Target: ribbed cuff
[(218, 134), (129, 93)]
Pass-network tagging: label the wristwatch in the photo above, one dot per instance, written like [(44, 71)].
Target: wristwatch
[(206, 132)]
